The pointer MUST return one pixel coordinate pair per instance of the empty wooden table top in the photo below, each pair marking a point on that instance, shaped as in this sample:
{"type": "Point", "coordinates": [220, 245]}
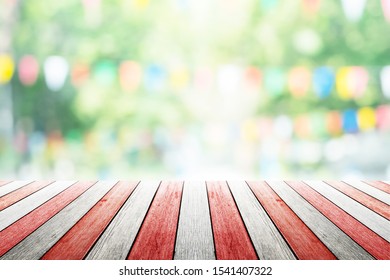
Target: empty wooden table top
{"type": "Point", "coordinates": [268, 220]}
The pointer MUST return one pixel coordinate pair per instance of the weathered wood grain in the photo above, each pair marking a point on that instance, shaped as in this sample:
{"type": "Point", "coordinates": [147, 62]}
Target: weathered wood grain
{"type": "Point", "coordinates": [341, 245]}
{"type": "Point", "coordinates": [267, 240]}
{"type": "Point", "coordinates": [10, 187]}
{"type": "Point", "coordinates": [117, 239]}
{"type": "Point", "coordinates": [365, 215]}
{"type": "Point", "coordinates": [24, 206]}
{"type": "Point", "coordinates": [305, 244]}
{"type": "Point", "coordinates": [361, 234]}
{"type": "Point", "coordinates": [2, 183]}
{"type": "Point", "coordinates": [374, 204]}
{"type": "Point", "coordinates": [17, 195]}
{"type": "Point", "coordinates": [232, 241]}
{"type": "Point", "coordinates": [76, 243]}
{"type": "Point", "coordinates": [374, 192]}
{"type": "Point", "coordinates": [19, 230]}
{"type": "Point", "coordinates": [194, 239]}
{"type": "Point", "coordinates": [156, 237]}
{"type": "Point", "coordinates": [37, 243]}
{"type": "Point", "coordinates": [379, 185]}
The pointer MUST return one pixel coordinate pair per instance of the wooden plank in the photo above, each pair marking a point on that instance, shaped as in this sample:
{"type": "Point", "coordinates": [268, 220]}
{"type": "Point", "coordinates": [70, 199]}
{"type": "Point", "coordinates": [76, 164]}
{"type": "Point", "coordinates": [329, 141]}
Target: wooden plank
{"type": "Point", "coordinates": [41, 240]}
{"type": "Point", "coordinates": [21, 193]}
{"type": "Point", "coordinates": [232, 241]}
{"type": "Point", "coordinates": [156, 237]}
{"type": "Point", "coordinates": [361, 234]}
{"type": "Point", "coordinates": [12, 187]}
{"type": "Point", "coordinates": [365, 215]}
{"type": "Point", "coordinates": [24, 206]}
{"type": "Point", "coordinates": [267, 240]}
{"type": "Point", "coordinates": [194, 239]}
{"type": "Point", "coordinates": [76, 243]}
{"type": "Point", "coordinates": [375, 205]}
{"type": "Point", "coordinates": [19, 230]}
{"type": "Point", "coordinates": [374, 192]}
{"type": "Point", "coordinates": [2, 183]}
{"type": "Point", "coordinates": [341, 245]}
{"type": "Point", "coordinates": [305, 244]}
{"type": "Point", "coordinates": [379, 185]}
{"type": "Point", "coordinates": [117, 239]}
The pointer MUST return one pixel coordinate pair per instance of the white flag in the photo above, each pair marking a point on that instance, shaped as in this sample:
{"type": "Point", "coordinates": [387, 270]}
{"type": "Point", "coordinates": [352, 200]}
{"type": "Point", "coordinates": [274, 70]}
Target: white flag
{"type": "Point", "coordinates": [353, 9]}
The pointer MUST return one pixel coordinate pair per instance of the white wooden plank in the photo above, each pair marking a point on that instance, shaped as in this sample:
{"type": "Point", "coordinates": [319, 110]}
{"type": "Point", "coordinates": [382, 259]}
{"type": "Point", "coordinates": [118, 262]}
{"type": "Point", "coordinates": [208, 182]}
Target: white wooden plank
{"type": "Point", "coordinates": [26, 205]}
{"type": "Point", "coordinates": [36, 244]}
{"type": "Point", "coordinates": [117, 239]}
{"type": "Point", "coordinates": [370, 190]}
{"type": "Point", "coordinates": [267, 240]}
{"type": "Point", "coordinates": [366, 216]}
{"type": "Point", "coordinates": [10, 187]}
{"type": "Point", "coordinates": [341, 245]}
{"type": "Point", "coordinates": [194, 239]}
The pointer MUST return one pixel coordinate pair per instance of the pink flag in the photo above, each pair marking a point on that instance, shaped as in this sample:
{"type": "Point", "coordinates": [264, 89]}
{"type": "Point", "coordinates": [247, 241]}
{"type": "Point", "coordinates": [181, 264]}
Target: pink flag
{"type": "Point", "coordinates": [386, 9]}
{"type": "Point", "coordinates": [28, 70]}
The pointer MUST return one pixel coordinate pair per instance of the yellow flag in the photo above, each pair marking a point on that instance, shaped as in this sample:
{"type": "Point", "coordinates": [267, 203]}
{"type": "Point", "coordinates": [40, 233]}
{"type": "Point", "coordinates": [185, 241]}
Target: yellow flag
{"type": "Point", "coordinates": [140, 4]}
{"type": "Point", "coordinates": [366, 118]}
{"type": "Point", "coordinates": [7, 68]}
{"type": "Point", "coordinates": [342, 83]}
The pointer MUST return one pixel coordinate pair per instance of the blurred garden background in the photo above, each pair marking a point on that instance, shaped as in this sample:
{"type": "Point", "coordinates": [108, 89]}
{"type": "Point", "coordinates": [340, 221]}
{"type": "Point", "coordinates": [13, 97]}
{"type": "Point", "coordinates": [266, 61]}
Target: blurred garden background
{"type": "Point", "coordinates": [194, 89]}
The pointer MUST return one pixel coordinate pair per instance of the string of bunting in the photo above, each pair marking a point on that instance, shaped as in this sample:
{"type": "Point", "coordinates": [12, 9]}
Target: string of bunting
{"type": "Point", "coordinates": [349, 82]}
{"type": "Point", "coordinates": [353, 9]}
{"type": "Point", "coordinates": [317, 125]}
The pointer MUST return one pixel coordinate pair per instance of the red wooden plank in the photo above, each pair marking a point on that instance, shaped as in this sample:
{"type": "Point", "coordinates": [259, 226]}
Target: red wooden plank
{"type": "Point", "coordinates": [156, 237]}
{"type": "Point", "coordinates": [374, 204]}
{"type": "Point", "coordinates": [231, 238]}
{"type": "Point", "coordinates": [2, 183]}
{"type": "Point", "coordinates": [77, 242]}
{"type": "Point", "coordinates": [19, 230]}
{"type": "Point", "coordinates": [301, 239]}
{"type": "Point", "coordinates": [379, 185]}
{"type": "Point", "coordinates": [21, 193]}
{"type": "Point", "coordinates": [366, 238]}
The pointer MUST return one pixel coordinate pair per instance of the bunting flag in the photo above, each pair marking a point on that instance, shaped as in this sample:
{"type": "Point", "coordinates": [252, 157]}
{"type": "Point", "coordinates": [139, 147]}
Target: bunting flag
{"type": "Point", "coordinates": [334, 123]}
{"type": "Point", "coordinates": [283, 127]}
{"type": "Point", "coordinates": [302, 126]}
{"type": "Point", "coordinates": [386, 9]}
{"type": "Point", "coordinates": [323, 81]}
{"type": "Point", "coordinates": [140, 4]}
{"type": "Point", "coordinates": [318, 124]}
{"type": "Point", "coordinates": [268, 5]}
{"type": "Point", "coordinates": [383, 117]}
{"type": "Point", "coordinates": [203, 79]}
{"type": "Point", "coordinates": [155, 77]}
{"type": "Point", "coordinates": [130, 75]}
{"type": "Point", "coordinates": [353, 9]}
{"type": "Point", "coordinates": [265, 127]}
{"type": "Point", "coordinates": [274, 81]}
{"type": "Point", "coordinates": [366, 118]}
{"type": "Point", "coordinates": [80, 74]}
{"type": "Point", "coordinates": [311, 7]}
{"type": "Point", "coordinates": [385, 81]}
{"type": "Point", "coordinates": [56, 70]}
{"type": "Point", "coordinates": [299, 81]}
{"type": "Point", "coordinates": [229, 78]}
{"type": "Point", "coordinates": [351, 82]}
{"type": "Point", "coordinates": [350, 124]}
{"type": "Point", "coordinates": [28, 70]}
{"type": "Point", "coordinates": [253, 78]}
{"type": "Point", "coordinates": [179, 78]}
{"type": "Point", "coordinates": [92, 11]}
{"type": "Point", "coordinates": [7, 68]}
{"type": "Point", "coordinates": [105, 73]}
